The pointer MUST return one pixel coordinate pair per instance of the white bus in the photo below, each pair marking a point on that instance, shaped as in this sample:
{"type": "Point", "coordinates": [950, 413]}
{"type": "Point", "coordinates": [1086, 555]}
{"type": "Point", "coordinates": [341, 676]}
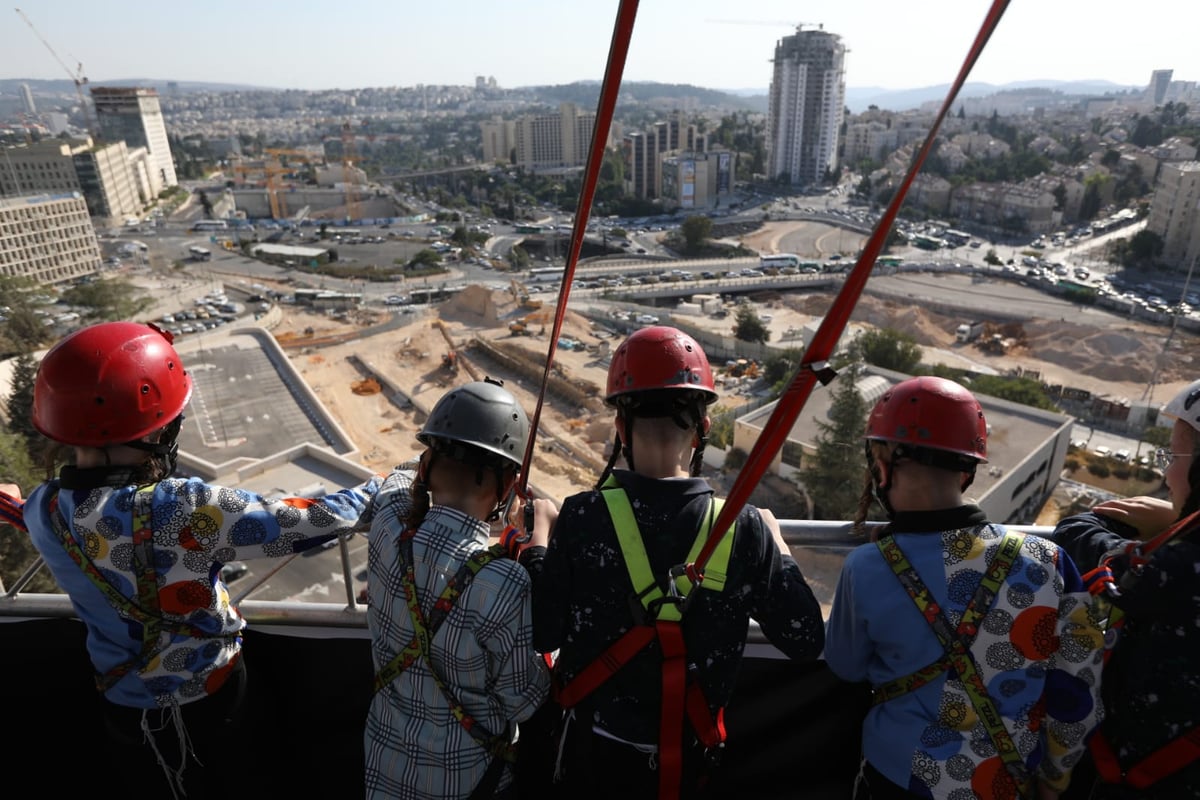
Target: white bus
{"type": "Point", "coordinates": [210, 225]}
{"type": "Point", "coordinates": [779, 260]}
{"type": "Point", "coordinates": [200, 253]}
{"type": "Point", "coordinates": [546, 274]}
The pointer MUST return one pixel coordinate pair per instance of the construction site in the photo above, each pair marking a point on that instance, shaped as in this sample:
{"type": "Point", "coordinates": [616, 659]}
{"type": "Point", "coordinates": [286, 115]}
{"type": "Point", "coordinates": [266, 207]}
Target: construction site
{"type": "Point", "coordinates": [504, 333]}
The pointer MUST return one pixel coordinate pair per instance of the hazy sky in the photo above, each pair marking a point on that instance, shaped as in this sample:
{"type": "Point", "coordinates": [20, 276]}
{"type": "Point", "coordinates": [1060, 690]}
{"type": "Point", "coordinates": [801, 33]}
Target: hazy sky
{"type": "Point", "coordinates": [720, 44]}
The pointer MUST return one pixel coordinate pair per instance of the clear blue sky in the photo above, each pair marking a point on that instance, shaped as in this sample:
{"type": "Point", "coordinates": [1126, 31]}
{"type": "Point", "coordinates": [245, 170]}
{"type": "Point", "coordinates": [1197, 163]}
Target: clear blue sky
{"type": "Point", "coordinates": [720, 45]}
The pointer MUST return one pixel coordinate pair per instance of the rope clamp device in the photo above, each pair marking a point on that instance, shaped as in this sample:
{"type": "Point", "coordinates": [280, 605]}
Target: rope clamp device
{"type": "Point", "coordinates": [825, 373]}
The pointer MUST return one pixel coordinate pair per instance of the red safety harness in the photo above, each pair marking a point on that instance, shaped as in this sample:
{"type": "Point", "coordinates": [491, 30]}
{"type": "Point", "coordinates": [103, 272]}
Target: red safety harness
{"type": "Point", "coordinates": [660, 615]}
{"type": "Point", "coordinates": [1180, 751]}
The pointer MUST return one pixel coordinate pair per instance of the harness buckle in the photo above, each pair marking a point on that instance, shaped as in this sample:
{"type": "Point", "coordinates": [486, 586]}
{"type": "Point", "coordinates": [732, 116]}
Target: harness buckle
{"type": "Point", "coordinates": [673, 594]}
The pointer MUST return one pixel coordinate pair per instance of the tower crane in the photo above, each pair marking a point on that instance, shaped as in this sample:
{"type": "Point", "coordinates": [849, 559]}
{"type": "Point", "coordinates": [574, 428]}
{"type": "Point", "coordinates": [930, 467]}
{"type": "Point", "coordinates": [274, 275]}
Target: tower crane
{"type": "Point", "coordinates": [76, 75]}
{"type": "Point", "coordinates": [347, 165]}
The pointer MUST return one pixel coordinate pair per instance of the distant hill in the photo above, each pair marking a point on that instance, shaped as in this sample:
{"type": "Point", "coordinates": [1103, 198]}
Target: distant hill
{"type": "Point", "coordinates": [859, 98]}
{"type": "Point", "coordinates": [586, 93]}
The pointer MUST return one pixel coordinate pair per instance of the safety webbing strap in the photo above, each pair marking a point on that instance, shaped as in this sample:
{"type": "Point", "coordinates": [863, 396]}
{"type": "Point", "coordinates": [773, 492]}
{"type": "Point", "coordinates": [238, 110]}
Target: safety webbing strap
{"type": "Point", "coordinates": [147, 610]}
{"type": "Point", "coordinates": [660, 619]}
{"type": "Point", "coordinates": [499, 745]}
{"type": "Point", "coordinates": [441, 608]}
{"type": "Point", "coordinates": [1101, 581]}
{"type": "Point", "coordinates": [813, 364]}
{"type": "Point", "coordinates": [956, 646]}
{"type": "Point", "coordinates": [968, 628]}
{"type": "Point", "coordinates": [12, 511]}
{"type": "Point", "coordinates": [610, 88]}
{"type": "Point", "coordinates": [1162, 763]}
{"type": "Point", "coordinates": [670, 721]}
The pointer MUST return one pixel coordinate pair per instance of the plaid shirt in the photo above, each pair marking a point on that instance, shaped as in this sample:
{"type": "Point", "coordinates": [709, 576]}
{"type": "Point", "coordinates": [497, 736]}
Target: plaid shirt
{"type": "Point", "coordinates": [415, 748]}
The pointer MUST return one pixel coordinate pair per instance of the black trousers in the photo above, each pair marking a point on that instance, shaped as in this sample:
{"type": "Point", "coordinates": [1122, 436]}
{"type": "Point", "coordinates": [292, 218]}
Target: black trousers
{"type": "Point", "coordinates": [872, 785]}
{"type": "Point", "coordinates": [212, 727]}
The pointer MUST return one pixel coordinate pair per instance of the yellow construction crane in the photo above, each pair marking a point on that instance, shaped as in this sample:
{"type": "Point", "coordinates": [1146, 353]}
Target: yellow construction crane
{"type": "Point", "coordinates": [76, 75]}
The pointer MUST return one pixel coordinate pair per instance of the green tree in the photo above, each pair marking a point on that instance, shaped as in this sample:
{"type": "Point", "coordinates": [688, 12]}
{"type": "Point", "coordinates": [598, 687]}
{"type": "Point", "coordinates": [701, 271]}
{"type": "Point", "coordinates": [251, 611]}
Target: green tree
{"type": "Point", "coordinates": [720, 435]}
{"type": "Point", "coordinates": [424, 258]}
{"type": "Point", "coordinates": [16, 551]}
{"type": "Point", "coordinates": [749, 327]}
{"type": "Point", "coordinates": [780, 367]}
{"type": "Point", "coordinates": [108, 300]}
{"type": "Point", "coordinates": [889, 349]}
{"type": "Point", "coordinates": [19, 405]}
{"type": "Point", "coordinates": [695, 229]}
{"type": "Point", "coordinates": [834, 477]}
{"type": "Point", "coordinates": [1026, 391]}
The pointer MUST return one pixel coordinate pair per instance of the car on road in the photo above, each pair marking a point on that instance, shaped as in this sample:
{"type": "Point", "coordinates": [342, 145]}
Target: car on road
{"type": "Point", "coordinates": [233, 570]}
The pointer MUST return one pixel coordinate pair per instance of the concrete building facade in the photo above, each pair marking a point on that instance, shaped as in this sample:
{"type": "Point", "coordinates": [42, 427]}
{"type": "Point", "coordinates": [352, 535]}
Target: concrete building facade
{"type": "Point", "coordinates": [115, 180]}
{"type": "Point", "coordinates": [806, 104]}
{"type": "Point", "coordinates": [134, 116]}
{"type": "Point", "coordinates": [48, 238]}
{"type": "Point", "coordinates": [693, 180]}
{"type": "Point", "coordinates": [549, 142]}
{"type": "Point", "coordinates": [1174, 215]}
{"type": "Point", "coordinates": [644, 153]}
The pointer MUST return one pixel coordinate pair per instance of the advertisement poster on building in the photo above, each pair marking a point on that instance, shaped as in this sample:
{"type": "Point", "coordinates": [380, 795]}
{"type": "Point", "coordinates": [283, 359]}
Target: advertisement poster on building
{"type": "Point", "coordinates": [687, 184]}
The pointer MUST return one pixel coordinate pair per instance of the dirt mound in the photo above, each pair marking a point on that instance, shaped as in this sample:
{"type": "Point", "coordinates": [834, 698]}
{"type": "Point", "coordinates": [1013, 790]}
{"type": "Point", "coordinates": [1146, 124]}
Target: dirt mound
{"type": "Point", "coordinates": [476, 305]}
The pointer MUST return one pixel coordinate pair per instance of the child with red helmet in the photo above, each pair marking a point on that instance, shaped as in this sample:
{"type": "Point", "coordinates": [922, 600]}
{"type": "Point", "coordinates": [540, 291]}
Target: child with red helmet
{"type": "Point", "coordinates": [609, 571]}
{"type": "Point", "coordinates": [139, 553]}
{"type": "Point", "coordinates": [1143, 555]}
{"type": "Point", "coordinates": [981, 644]}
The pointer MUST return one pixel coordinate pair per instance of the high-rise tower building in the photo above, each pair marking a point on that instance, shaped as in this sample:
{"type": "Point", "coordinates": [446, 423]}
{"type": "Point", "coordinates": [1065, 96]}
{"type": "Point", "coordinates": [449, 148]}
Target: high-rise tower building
{"type": "Point", "coordinates": [27, 97]}
{"type": "Point", "coordinates": [806, 104]}
{"type": "Point", "coordinates": [134, 116]}
{"type": "Point", "coordinates": [1160, 79]}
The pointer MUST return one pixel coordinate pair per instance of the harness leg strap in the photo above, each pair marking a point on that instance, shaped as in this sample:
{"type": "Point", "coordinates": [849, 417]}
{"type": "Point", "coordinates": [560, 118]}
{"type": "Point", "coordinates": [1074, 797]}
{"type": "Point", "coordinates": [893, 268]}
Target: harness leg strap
{"type": "Point", "coordinates": [674, 690]}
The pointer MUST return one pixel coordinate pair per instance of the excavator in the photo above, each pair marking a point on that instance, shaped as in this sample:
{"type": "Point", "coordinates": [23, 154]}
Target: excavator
{"type": "Point", "coordinates": [450, 362]}
{"type": "Point", "coordinates": [521, 296]}
{"type": "Point", "coordinates": [521, 327]}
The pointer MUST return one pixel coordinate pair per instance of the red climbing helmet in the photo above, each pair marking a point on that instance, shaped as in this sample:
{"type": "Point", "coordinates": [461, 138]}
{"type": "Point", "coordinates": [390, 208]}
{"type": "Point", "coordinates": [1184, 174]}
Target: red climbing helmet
{"type": "Point", "coordinates": [109, 384]}
{"type": "Point", "coordinates": [656, 358]}
{"type": "Point", "coordinates": [934, 413]}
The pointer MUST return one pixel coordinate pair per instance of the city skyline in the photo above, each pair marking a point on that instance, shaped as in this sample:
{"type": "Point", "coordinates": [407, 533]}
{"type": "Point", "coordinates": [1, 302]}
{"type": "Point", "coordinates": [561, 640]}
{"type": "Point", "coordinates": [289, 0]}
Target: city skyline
{"type": "Point", "coordinates": [376, 43]}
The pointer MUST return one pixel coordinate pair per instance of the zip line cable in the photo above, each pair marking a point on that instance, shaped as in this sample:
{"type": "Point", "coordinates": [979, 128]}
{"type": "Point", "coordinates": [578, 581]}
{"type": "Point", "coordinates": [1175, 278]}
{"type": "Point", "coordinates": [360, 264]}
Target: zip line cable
{"type": "Point", "coordinates": [609, 89]}
{"type": "Point", "coordinates": [814, 364]}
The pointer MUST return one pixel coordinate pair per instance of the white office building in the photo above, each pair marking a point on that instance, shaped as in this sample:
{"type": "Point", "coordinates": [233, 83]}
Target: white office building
{"type": "Point", "coordinates": [133, 115]}
{"type": "Point", "coordinates": [48, 238]}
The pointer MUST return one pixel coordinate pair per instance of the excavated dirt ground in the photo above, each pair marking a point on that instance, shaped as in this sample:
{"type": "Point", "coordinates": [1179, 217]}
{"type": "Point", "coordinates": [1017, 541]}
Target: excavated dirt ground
{"type": "Point", "coordinates": [573, 434]}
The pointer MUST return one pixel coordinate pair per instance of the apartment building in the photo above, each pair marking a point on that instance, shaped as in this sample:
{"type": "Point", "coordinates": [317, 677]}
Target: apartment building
{"type": "Point", "coordinates": [1174, 215]}
{"type": "Point", "coordinates": [546, 142]}
{"type": "Point", "coordinates": [806, 103]}
{"type": "Point", "coordinates": [499, 138]}
{"type": "Point", "coordinates": [644, 153]}
{"type": "Point", "coordinates": [697, 180]}
{"type": "Point", "coordinates": [869, 140]}
{"type": "Point", "coordinates": [48, 238]}
{"type": "Point", "coordinates": [133, 115]}
{"type": "Point", "coordinates": [114, 180]}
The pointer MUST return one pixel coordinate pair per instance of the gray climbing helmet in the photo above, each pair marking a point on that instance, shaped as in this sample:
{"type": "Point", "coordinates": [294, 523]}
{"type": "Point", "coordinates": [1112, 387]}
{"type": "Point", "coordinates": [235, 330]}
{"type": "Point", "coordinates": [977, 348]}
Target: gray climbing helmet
{"type": "Point", "coordinates": [482, 414]}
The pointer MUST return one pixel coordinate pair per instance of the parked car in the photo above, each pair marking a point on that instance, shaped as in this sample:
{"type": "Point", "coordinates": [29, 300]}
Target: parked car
{"type": "Point", "coordinates": [234, 570]}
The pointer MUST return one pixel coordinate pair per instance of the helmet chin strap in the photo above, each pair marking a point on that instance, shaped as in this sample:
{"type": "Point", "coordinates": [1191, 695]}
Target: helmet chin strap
{"type": "Point", "coordinates": [166, 450]}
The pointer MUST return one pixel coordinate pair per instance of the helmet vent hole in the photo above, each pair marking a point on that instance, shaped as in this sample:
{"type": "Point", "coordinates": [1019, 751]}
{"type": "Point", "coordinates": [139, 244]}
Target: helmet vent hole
{"type": "Point", "coordinates": [99, 401]}
{"type": "Point", "coordinates": [145, 388]}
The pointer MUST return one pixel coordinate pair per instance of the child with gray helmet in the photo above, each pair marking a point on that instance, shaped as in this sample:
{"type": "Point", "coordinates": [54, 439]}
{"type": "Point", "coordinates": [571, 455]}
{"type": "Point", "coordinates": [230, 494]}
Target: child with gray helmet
{"type": "Point", "coordinates": [1142, 556]}
{"type": "Point", "coordinates": [449, 616]}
